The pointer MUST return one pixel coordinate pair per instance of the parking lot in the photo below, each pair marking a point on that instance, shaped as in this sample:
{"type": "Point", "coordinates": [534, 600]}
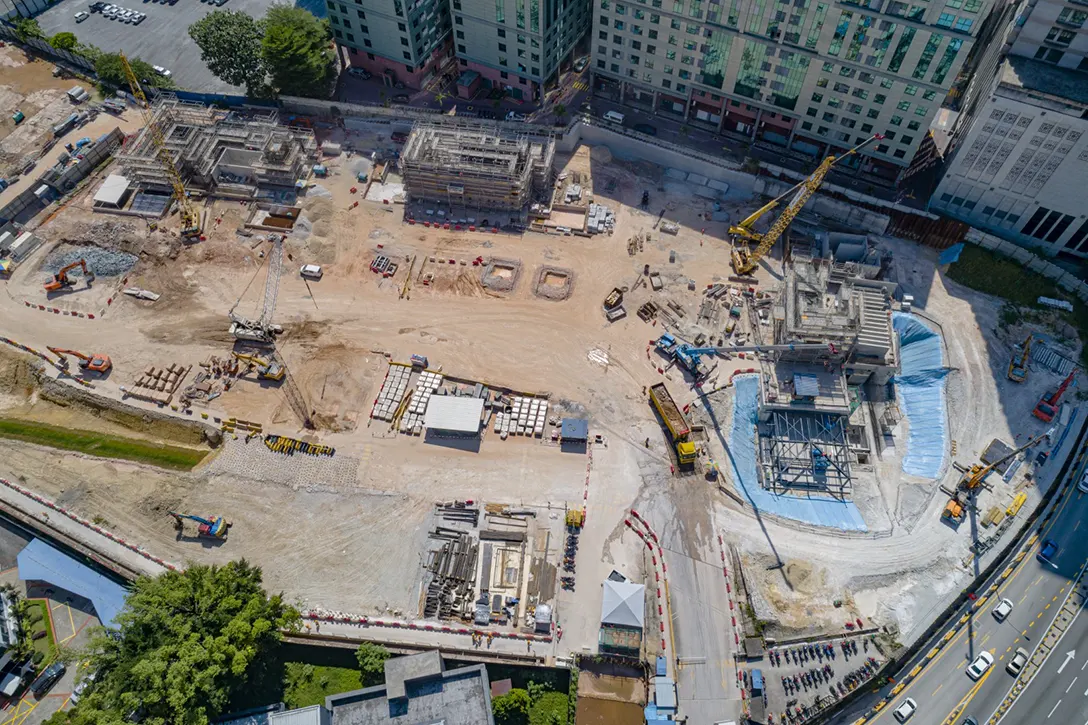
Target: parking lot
{"type": "Point", "coordinates": [161, 39]}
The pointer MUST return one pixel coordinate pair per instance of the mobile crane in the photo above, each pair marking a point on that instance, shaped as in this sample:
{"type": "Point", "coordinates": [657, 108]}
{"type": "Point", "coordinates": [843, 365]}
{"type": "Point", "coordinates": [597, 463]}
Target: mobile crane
{"type": "Point", "coordinates": [60, 280]}
{"type": "Point", "coordinates": [261, 330]}
{"type": "Point", "coordinates": [211, 527]}
{"type": "Point", "coordinates": [1047, 407]}
{"type": "Point", "coordinates": [190, 219]}
{"type": "Point", "coordinates": [1018, 365]}
{"type": "Point", "coordinates": [95, 362]}
{"type": "Point", "coordinates": [745, 259]}
{"type": "Point", "coordinates": [972, 478]}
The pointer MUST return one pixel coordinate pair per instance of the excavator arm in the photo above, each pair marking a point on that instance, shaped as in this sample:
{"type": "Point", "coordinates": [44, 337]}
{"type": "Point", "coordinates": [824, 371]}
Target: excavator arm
{"type": "Point", "coordinates": [745, 260]}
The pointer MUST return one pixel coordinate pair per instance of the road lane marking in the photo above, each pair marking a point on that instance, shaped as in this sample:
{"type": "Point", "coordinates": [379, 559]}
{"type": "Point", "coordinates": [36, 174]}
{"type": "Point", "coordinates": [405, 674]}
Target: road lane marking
{"type": "Point", "coordinates": [1037, 580]}
{"type": "Point", "coordinates": [1059, 702]}
{"type": "Point", "coordinates": [1071, 685]}
{"type": "Point", "coordinates": [938, 689]}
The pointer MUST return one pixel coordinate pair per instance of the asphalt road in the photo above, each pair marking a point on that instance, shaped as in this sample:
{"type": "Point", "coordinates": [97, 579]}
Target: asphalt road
{"type": "Point", "coordinates": [945, 695]}
{"type": "Point", "coordinates": [1060, 688]}
{"type": "Point", "coordinates": [705, 675]}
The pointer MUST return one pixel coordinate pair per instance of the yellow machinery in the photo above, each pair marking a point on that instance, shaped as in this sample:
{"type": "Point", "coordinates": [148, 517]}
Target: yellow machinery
{"type": "Point", "coordinates": [973, 477]}
{"type": "Point", "coordinates": [1018, 365]}
{"type": "Point", "coordinates": [744, 258]}
{"type": "Point", "coordinates": [190, 219]}
{"type": "Point", "coordinates": [676, 423]}
{"type": "Point", "coordinates": [266, 369]}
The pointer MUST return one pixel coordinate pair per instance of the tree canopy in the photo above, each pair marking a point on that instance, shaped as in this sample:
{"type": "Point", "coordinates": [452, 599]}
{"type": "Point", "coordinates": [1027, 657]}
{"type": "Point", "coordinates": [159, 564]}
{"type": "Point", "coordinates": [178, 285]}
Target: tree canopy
{"type": "Point", "coordinates": [511, 708]}
{"type": "Point", "coordinates": [230, 45]}
{"type": "Point", "coordinates": [372, 659]}
{"type": "Point", "coordinates": [296, 51]}
{"type": "Point", "coordinates": [111, 74]}
{"type": "Point", "coordinates": [184, 645]}
{"type": "Point", "coordinates": [28, 28]}
{"type": "Point", "coordinates": [64, 41]}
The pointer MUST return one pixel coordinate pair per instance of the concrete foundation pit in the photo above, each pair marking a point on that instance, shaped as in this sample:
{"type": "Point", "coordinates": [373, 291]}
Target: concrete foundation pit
{"type": "Point", "coordinates": [501, 275]}
{"type": "Point", "coordinates": [554, 283]}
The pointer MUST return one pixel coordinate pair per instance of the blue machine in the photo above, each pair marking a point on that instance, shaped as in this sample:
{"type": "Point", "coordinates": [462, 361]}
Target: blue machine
{"type": "Point", "coordinates": [666, 342]}
{"type": "Point", "coordinates": [690, 356]}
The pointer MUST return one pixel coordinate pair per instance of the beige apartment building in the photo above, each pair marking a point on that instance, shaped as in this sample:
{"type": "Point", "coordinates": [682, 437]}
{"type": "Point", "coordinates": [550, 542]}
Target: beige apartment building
{"type": "Point", "coordinates": [813, 76]}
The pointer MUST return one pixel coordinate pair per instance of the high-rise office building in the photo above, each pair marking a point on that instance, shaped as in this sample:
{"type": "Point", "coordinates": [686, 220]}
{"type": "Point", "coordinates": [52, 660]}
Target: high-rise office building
{"type": "Point", "coordinates": [814, 76]}
{"type": "Point", "coordinates": [1018, 157]}
{"type": "Point", "coordinates": [516, 45]}
{"type": "Point", "coordinates": [400, 41]}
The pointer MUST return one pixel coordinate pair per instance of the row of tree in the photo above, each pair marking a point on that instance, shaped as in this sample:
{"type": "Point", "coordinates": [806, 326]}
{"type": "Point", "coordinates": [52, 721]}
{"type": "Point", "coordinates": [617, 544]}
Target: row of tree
{"type": "Point", "coordinates": [288, 51]}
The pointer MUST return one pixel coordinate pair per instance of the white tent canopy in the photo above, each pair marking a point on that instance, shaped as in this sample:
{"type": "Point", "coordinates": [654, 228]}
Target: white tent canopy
{"type": "Point", "coordinates": [624, 604]}
{"type": "Point", "coordinates": [112, 191]}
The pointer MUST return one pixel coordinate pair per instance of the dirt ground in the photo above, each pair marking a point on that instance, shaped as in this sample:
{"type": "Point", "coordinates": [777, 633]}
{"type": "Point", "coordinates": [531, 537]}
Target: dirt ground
{"type": "Point", "coordinates": [360, 526]}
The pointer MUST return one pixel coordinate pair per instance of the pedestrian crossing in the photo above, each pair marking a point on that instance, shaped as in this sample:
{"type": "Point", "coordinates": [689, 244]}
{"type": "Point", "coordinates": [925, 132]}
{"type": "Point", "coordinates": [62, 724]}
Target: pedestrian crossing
{"type": "Point", "coordinates": [581, 86]}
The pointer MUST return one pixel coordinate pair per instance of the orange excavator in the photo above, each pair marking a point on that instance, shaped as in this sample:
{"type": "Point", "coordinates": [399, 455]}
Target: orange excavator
{"type": "Point", "coordinates": [61, 279]}
{"type": "Point", "coordinates": [94, 362]}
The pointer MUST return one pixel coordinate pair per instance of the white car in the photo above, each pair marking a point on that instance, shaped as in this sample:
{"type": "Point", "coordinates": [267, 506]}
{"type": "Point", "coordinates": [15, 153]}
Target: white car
{"type": "Point", "coordinates": [164, 72]}
{"type": "Point", "coordinates": [82, 15]}
{"type": "Point", "coordinates": [77, 692]}
{"type": "Point", "coordinates": [978, 668]}
{"type": "Point", "coordinates": [906, 710]}
{"type": "Point", "coordinates": [1002, 610]}
{"type": "Point", "coordinates": [513, 116]}
{"type": "Point", "coordinates": [311, 271]}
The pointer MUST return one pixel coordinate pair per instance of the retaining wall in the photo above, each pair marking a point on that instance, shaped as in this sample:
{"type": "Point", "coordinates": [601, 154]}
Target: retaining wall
{"type": "Point", "coordinates": [1032, 261]}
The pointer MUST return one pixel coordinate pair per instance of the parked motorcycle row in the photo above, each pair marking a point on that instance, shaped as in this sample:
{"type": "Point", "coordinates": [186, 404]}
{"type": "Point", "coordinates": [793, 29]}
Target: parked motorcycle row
{"type": "Point", "coordinates": [818, 676]}
{"type": "Point", "coordinates": [568, 558]}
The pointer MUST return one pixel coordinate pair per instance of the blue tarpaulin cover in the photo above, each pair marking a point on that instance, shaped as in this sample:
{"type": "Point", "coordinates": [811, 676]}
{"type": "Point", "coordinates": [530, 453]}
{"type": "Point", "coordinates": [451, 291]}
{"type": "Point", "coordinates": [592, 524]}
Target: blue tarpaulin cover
{"type": "Point", "coordinates": [952, 254]}
{"type": "Point", "coordinates": [41, 562]}
{"type": "Point", "coordinates": [921, 386]}
{"type": "Point", "coordinates": [741, 450]}
{"type": "Point", "coordinates": [806, 386]}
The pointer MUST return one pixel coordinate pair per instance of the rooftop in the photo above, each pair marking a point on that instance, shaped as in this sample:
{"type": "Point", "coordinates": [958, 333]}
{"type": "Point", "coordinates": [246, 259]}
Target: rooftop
{"type": "Point", "coordinates": [1032, 75]}
{"type": "Point", "coordinates": [623, 604]}
{"type": "Point", "coordinates": [460, 696]}
{"type": "Point", "coordinates": [448, 412]}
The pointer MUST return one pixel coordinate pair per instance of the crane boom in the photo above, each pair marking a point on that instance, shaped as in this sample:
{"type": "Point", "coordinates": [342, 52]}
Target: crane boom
{"type": "Point", "coordinates": [745, 260]}
{"type": "Point", "coordinates": [977, 474]}
{"type": "Point", "coordinates": [190, 220]}
{"type": "Point", "coordinates": [261, 329]}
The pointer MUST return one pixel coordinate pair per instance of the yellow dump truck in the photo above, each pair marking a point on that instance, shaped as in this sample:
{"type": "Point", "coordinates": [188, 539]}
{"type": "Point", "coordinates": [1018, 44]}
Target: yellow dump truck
{"type": "Point", "coordinates": [675, 423]}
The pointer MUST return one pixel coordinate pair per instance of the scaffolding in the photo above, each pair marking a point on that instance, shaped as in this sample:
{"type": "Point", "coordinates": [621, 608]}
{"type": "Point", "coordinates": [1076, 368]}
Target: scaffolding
{"type": "Point", "coordinates": [806, 452]}
{"type": "Point", "coordinates": [483, 168]}
{"type": "Point", "coordinates": [224, 153]}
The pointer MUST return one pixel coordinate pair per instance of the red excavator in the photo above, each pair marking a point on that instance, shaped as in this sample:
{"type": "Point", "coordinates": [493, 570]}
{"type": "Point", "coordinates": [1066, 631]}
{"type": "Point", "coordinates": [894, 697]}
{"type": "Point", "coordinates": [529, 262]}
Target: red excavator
{"type": "Point", "coordinates": [1047, 407]}
{"type": "Point", "coordinates": [95, 362]}
{"type": "Point", "coordinates": [61, 279]}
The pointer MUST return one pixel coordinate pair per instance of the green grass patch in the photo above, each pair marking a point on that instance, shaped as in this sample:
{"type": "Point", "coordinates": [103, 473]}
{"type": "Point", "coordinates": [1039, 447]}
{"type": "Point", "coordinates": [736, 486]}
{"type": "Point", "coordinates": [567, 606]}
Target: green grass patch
{"type": "Point", "coordinates": [306, 684]}
{"type": "Point", "coordinates": [101, 444]}
{"type": "Point", "coordinates": [47, 645]}
{"type": "Point", "coordinates": [993, 274]}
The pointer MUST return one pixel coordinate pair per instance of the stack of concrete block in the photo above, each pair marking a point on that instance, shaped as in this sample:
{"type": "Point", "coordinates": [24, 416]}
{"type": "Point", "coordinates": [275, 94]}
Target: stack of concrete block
{"type": "Point", "coordinates": [428, 383]}
{"type": "Point", "coordinates": [527, 417]}
{"type": "Point", "coordinates": [392, 392]}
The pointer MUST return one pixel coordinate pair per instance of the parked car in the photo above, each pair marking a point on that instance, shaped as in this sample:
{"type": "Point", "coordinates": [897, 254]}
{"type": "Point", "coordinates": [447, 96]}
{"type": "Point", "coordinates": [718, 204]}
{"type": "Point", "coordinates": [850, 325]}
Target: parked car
{"type": "Point", "coordinates": [82, 15]}
{"type": "Point", "coordinates": [361, 73]}
{"type": "Point", "coordinates": [399, 136]}
{"type": "Point", "coordinates": [311, 271]}
{"type": "Point", "coordinates": [581, 63]}
{"type": "Point", "coordinates": [645, 128]}
{"type": "Point", "coordinates": [1017, 662]}
{"type": "Point", "coordinates": [514, 116]}
{"type": "Point", "coordinates": [77, 691]}
{"type": "Point", "coordinates": [906, 710]}
{"type": "Point", "coordinates": [1002, 610]}
{"type": "Point", "coordinates": [978, 668]}
{"type": "Point", "coordinates": [402, 98]}
{"type": "Point", "coordinates": [164, 72]}
{"type": "Point", "coordinates": [47, 679]}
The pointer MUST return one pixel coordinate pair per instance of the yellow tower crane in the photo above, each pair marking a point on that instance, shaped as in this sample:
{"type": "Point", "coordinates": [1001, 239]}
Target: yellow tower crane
{"type": "Point", "coordinates": [190, 219]}
{"type": "Point", "coordinates": [744, 258]}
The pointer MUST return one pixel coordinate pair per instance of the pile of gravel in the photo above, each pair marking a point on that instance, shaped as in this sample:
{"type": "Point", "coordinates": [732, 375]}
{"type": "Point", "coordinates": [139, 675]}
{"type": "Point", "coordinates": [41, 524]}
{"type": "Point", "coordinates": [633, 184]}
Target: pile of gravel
{"type": "Point", "coordinates": [102, 262]}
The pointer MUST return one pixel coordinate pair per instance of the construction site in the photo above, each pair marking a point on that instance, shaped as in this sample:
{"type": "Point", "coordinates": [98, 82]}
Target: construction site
{"type": "Point", "coordinates": [788, 396]}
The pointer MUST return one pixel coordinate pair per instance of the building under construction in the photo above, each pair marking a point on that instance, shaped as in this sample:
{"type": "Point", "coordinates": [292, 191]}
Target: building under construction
{"type": "Point", "coordinates": [222, 153]}
{"type": "Point", "coordinates": [812, 417]}
{"type": "Point", "coordinates": [476, 168]}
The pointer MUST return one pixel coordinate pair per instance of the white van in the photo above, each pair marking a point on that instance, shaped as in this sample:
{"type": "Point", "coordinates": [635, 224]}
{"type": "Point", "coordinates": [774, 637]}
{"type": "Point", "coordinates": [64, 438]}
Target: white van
{"type": "Point", "coordinates": [1083, 485]}
{"type": "Point", "coordinates": [614, 117]}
